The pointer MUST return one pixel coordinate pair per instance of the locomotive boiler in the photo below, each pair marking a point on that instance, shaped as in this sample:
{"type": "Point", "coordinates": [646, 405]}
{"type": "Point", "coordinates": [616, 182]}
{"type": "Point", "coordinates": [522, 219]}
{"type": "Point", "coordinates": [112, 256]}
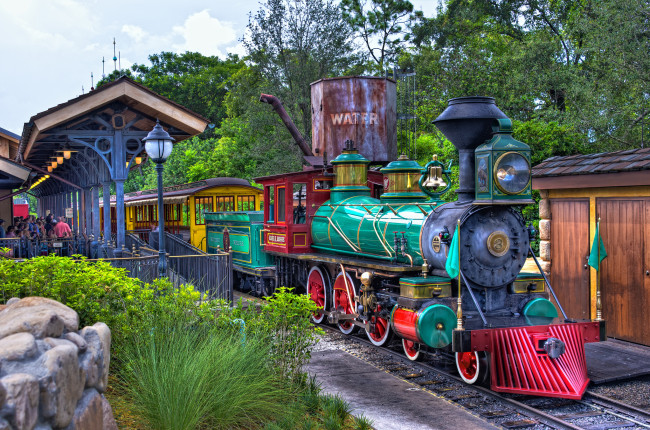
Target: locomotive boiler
{"type": "Point", "coordinates": [370, 246]}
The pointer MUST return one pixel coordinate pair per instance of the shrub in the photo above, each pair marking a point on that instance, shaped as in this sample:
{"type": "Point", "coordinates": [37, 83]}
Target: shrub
{"type": "Point", "coordinates": [99, 292]}
{"type": "Point", "coordinates": [362, 423]}
{"type": "Point", "coordinates": [284, 322]}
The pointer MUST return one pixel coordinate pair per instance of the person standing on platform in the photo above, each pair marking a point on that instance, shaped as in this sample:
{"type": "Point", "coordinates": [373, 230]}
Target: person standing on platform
{"type": "Point", "coordinates": [2, 229]}
{"type": "Point", "coordinates": [62, 229]}
{"type": "Point", "coordinates": [48, 224]}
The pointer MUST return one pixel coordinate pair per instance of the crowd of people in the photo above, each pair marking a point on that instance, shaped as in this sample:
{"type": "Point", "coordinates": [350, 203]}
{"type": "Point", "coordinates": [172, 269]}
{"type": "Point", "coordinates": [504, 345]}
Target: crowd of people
{"type": "Point", "coordinates": [31, 227]}
{"type": "Point", "coordinates": [32, 236]}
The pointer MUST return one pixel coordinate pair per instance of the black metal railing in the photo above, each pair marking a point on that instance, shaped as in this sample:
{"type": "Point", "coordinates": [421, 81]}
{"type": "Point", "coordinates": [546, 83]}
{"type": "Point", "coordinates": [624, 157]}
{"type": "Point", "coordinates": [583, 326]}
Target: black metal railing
{"type": "Point", "coordinates": [211, 274]}
{"type": "Point", "coordinates": [22, 247]}
{"type": "Point", "coordinates": [145, 268]}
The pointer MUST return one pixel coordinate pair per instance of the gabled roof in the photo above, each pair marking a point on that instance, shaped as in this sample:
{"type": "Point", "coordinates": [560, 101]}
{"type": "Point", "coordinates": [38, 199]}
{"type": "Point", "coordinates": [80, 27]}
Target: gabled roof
{"type": "Point", "coordinates": [12, 175]}
{"type": "Point", "coordinates": [603, 162]}
{"type": "Point", "coordinates": [131, 94]}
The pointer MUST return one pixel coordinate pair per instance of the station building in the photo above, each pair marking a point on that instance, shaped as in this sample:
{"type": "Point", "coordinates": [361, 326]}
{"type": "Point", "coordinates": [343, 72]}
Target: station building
{"type": "Point", "coordinates": [576, 191]}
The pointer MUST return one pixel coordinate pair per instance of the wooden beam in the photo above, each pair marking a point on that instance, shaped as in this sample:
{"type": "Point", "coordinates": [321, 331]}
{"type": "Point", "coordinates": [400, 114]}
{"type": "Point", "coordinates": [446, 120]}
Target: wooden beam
{"type": "Point", "coordinates": [22, 190]}
{"type": "Point", "coordinates": [52, 175]}
{"type": "Point", "coordinates": [167, 112]}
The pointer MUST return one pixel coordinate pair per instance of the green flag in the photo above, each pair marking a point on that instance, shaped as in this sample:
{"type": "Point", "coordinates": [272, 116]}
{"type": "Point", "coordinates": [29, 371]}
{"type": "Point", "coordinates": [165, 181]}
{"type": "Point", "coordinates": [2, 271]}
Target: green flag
{"type": "Point", "coordinates": [453, 258]}
{"type": "Point", "coordinates": [594, 260]}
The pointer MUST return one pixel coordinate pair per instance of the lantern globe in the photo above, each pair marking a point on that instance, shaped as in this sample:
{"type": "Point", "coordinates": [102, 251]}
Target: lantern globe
{"type": "Point", "coordinates": [158, 144]}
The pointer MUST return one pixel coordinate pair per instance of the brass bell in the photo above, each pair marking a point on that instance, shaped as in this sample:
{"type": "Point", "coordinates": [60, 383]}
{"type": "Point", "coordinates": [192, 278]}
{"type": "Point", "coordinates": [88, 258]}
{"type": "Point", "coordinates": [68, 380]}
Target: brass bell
{"type": "Point", "coordinates": [434, 178]}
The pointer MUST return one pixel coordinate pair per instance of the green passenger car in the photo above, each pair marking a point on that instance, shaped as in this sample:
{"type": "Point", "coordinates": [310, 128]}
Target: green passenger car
{"type": "Point", "coordinates": [243, 231]}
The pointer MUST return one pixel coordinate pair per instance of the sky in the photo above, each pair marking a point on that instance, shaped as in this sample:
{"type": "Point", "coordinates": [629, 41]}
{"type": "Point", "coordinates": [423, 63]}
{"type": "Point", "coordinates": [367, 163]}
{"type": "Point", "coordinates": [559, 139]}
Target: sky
{"type": "Point", "coordinates": [50, 48]}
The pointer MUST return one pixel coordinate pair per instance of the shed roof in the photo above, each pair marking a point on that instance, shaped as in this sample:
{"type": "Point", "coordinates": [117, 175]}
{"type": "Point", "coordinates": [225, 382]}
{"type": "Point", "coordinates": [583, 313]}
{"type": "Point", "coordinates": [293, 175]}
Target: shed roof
{"type": "Point", "coordinates": [603, 162]}
{"type": "Point", "coordinates": [605, 169]}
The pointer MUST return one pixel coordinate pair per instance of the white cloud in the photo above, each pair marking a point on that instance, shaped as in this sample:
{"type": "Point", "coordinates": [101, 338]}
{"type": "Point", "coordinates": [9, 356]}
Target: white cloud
{"type": "Point", "coordinates": [238, 49]}
{"type": "Point", "coordinates": [205, 34]}
{"type": "Point", "coordinates": [55, 23]}
{"type": "Point", "coordinates": [134, 32]}
{"type": "Point", "coordinates": [91, 47]}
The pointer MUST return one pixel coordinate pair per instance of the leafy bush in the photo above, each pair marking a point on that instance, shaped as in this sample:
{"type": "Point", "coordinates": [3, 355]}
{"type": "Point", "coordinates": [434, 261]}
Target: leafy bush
{"type": "Point", "coordinates": [182, 363]}
{"type": "Point", "coordinates": [284, 322]}
{"type": "Point", "coordinates": [99, 292]}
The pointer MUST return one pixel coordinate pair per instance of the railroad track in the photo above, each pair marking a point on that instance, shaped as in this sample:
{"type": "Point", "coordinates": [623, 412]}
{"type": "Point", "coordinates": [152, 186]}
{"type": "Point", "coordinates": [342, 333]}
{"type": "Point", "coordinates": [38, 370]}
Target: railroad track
{"type": "Point", "coordinates": [593, 412]}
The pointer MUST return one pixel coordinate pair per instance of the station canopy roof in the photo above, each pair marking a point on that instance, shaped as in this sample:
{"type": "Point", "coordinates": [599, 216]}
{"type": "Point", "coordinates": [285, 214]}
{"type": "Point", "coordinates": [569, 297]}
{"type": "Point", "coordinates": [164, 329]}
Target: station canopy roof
{"type": "Point", "coordinates": [122, 105]}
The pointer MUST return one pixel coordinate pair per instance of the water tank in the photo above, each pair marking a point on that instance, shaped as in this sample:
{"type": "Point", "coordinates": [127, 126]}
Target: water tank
{"type": "Point", "coordinates": [357, 108]}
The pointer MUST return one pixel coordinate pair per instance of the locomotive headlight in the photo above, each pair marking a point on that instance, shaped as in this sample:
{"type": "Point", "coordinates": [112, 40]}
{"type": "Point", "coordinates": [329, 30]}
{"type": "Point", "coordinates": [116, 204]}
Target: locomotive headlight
{"type": "Point", "coordinates": [512, 173]}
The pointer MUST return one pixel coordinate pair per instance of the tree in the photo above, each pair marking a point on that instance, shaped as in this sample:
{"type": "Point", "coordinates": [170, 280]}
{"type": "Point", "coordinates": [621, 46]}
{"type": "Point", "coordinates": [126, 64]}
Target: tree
{"type": "Point", "coordinates": [579, 63]}
{"type": "Point", "coordinates": [381, 25]}
{"type": "Point", "coordinates": [296, 42]}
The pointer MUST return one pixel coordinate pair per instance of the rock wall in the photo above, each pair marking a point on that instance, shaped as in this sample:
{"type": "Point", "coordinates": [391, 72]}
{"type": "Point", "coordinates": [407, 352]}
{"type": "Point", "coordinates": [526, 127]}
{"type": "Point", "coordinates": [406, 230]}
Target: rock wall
{"type": "Point", "coordinates": [52, 375]}
{"type": "Point", "coordinates": [545, 232]}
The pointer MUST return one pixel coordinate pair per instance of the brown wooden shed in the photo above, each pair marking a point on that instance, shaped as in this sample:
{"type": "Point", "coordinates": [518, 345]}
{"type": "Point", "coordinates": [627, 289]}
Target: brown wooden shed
{"type": "Point", "coordinates": [575, 191]}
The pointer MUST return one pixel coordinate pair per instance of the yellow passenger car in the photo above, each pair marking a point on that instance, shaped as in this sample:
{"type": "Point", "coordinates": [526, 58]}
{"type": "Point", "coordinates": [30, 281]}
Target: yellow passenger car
{"type": "Point", "coordinates": [185, 206]}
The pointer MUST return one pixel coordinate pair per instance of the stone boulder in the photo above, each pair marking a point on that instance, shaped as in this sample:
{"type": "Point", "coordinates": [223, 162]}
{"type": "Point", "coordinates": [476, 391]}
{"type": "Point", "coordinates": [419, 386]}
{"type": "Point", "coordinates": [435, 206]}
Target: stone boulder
{"type": "Point", "coordinates": [51, 374]}
{"type": "Point", "coordinates": [68, 315]}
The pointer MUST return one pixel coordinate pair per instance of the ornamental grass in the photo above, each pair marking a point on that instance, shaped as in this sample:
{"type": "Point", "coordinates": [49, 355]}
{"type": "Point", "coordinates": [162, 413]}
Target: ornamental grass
{"type": "Point", "coordinates": [186, 377]}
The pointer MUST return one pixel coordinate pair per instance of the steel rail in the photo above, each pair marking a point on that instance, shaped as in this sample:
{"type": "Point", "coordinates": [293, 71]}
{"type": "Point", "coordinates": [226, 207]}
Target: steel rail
{"type": "Point", "coordinates": [604, 403]}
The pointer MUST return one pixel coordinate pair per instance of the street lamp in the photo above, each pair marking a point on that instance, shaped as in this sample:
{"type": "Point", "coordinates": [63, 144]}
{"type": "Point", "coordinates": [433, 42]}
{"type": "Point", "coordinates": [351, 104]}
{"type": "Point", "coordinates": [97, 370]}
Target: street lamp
{"type": "Point", "coordinates": [158, 145]}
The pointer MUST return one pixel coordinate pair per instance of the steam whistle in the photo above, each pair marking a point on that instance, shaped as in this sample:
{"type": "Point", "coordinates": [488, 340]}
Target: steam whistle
{"type": "Point", "coordinates": [432, 182]}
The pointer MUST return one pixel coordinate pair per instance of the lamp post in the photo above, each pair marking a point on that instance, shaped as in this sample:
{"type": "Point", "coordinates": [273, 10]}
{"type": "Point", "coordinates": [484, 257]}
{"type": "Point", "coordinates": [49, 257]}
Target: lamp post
{"type": "Point", "coordinates": [158, 145]}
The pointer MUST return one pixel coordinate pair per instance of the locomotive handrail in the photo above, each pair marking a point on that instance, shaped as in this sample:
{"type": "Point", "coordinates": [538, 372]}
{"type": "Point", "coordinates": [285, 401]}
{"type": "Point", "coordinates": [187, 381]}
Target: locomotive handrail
{"type": "Point", "coordinates": [350, 244]}
{"type": "Point", "coordinates": [471, 293]}
{"type": "Point", "coordinates": [380, 238]}
{"type": "Point", "coordinates": [548, 284]}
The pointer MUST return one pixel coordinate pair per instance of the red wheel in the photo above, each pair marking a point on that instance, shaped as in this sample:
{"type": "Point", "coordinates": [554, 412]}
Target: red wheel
{"type": "Point", "coordinates": [472, 366]}
{"type": "Point", "coordinates": [411, 349]}
{"type": "Point", "coordinates": [317, 286]}
{"type": "Point", "coordinates": [382, 332]}
{"type": "Point", "coordinates": [344, 302]}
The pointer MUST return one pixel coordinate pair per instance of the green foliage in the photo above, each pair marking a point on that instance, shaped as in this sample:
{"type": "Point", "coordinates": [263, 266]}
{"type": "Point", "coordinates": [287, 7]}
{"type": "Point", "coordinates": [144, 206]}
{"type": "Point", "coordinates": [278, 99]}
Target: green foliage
{"type": "Point", "coordinates": [183, 363]}
{"type": "Point", "coordinates": [284, 321]}
{"type": "Point", "coordinates": [196, 159]}
{"type": "Point", "coordinates": [580, 64]}
{"type": "Point", "coordinates": [362, 423]}
{"type": "Point", "coordinates": [195, 81]}
{"type": "Point", "coordinates": [184, 376]}
{"type": "Point", "coordinates": [295, 42]}
{"type": "Point", "coordinates": [99, 292]}
{"type": "Point", "coordinates": [549, 138]}
{"type": "Point", "coordinates": [336, 410]}
{"type": "Point", "coordinates": [381, 25]}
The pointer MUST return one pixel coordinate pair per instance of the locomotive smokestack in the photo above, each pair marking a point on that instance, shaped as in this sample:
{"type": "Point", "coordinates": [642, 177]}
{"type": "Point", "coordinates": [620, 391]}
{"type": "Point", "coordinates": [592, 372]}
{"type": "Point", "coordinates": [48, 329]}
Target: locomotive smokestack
{"type": "Point", "coordinates": [467, 123]}
{"type": "Point", "coordinates": [284, 116]}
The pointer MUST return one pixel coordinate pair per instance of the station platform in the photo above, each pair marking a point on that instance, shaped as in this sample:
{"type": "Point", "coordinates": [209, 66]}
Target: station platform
{"type": "Point", "coordinates": [615, 360]}
{"type": "Point", "coordinates": [391, 403]}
